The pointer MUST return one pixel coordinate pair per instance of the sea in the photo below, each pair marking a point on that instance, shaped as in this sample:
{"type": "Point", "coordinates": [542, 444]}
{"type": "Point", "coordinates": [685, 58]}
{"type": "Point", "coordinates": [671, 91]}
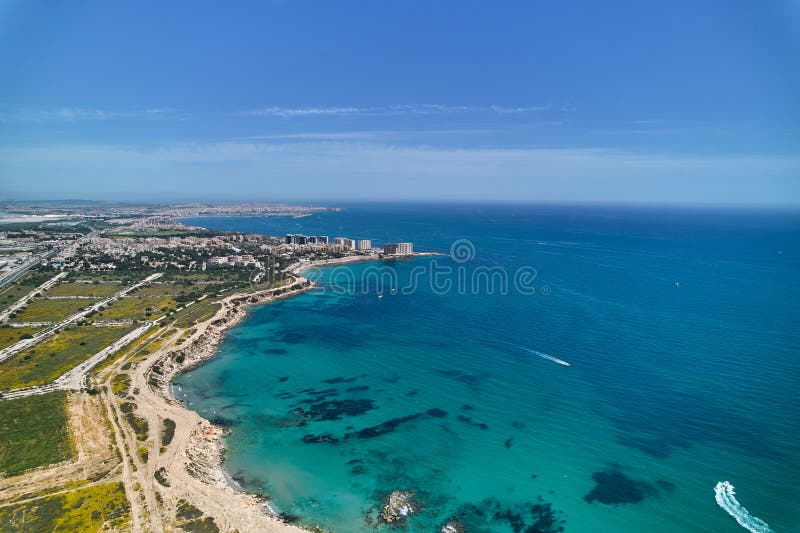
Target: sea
{"type": "Point", "coordinates": [557, 368]}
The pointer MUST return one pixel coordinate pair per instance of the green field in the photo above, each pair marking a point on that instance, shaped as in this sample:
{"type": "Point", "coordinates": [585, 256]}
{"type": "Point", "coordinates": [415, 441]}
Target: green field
{"type": "Point", "coordinates": [96, 508]}
{"type": "Point", "coordinates": [196, 313]}
{"type": "Point", "coordinates": [159, 289]}
{"type": "Point", "coordinates": [40, 310]}
{"type": "Point", "coordinates": [33, 432]}
{"type": "Point", "coordinates": [136, 307]}
{"type": "Point", "coordinates": [46, 361]}
{"type": "Point", "coordinates": [9, 335]}
{"type": "Point", "coordinates": [100, 290]}
{"type": "Point", "coordinates": [23, 286]}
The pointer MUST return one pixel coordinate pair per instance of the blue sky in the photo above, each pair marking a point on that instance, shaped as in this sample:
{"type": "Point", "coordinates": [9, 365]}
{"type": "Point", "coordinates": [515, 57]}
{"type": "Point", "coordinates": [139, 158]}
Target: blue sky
{"type": "Point", "coordinates": [630, 101]}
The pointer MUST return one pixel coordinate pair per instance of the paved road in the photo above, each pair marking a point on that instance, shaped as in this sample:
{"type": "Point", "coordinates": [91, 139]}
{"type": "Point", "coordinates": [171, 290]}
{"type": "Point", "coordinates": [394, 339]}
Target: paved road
{"type": "Point", "coordinates": [14, 275]}
{"type": "Point", "coordinates": [39, 336]}
{"type": "Point", "coordinates": [17, 273]}
{"type": "Point", "coordinates": [25, 299]}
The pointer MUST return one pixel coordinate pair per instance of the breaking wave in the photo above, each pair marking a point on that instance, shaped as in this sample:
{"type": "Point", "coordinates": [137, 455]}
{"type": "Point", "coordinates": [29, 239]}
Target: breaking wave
{"type": "Point", "coordinates": [726, 499]}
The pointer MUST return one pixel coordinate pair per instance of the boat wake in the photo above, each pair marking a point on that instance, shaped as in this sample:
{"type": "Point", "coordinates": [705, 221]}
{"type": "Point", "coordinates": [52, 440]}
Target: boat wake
{"type": "Point", "coordinates": [548, 357]}
{"type": "Point", "coordinates": [726, 499]}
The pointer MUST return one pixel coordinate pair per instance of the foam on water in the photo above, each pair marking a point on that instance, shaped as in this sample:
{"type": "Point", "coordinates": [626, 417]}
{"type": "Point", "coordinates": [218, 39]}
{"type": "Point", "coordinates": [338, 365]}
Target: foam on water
{"type": "Point", "coordinates": [546, 356]}
{"type": "Point", "coordinates": [727, 500]}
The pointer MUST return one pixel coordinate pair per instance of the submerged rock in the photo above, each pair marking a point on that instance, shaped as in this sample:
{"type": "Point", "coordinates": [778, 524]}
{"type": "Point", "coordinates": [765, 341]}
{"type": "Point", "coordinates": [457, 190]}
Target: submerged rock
{"type": "Point", "coordinates": [468, 420]}
{"type": "Point", "coordinates": [323, 437]}
{"type": "Point", "coordinates": [493, 515]}
{"type": "Point", "coordinates": [336, 409]}
{"type": "Point", "coordinates": [338, 379]}
{"type": "Point", "coordinates": [613, 487]}
{"type": "Point", "coordinates": [382, 428]}
{"type": "Point", "coordinates": [453, 526]}
{"type": "Point", "coordinates": [399, 505]}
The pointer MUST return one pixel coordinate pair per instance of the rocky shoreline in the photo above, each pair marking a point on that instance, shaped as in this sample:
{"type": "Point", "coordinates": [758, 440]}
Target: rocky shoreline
{"type": "Point", "coordinates": [205, 454]}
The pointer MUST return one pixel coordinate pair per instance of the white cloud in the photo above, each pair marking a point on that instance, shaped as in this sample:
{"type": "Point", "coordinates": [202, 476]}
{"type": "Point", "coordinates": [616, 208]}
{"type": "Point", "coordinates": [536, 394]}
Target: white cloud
{"type": "Point", "coordinates": [390, 110]}
{"type": "Point", "coordinates": [82, 114]}
{"type": "Point", "coordinates": [500, 110]}
{"type": "Point", "coordinates": [288, 112]}
{"type": "Point", "coordinates": [372, 135]}
{"type": "Point", "coordinates": [357, 170]}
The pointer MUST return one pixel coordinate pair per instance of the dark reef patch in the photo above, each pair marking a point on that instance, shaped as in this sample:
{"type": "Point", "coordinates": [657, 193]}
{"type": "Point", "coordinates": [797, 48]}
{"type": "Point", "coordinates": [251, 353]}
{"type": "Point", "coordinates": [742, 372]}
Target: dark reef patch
{"type": "Point", "coordinates": [437, 413]}
{"type": "Point", "coordinates": [614, 487]}
{"type": "Point", "coordinates": [468, 420]}
{"type": "Point", "coordinates": [338, 379]}
{"type": "Point", "coordinates": [467, 407]}
{"type": "Point", "coordinates": [317, 396]}
{"type": "Point", "coordinates": [323, 392]}
{"type": "Point", "coordinates": [358, 470]}
{"type": "Point", "coordinates": [276, 351]}
{"type": "Point", "coordinates": [508, 442]}
{"type": "Point", "coordinates": [412, 392]}
{"type": "Point", "coordinates": [283, 379]}
{"type": "Point", "coordinates": [289, 518]}
{"type": "Point", "coordinates": [321, 438]}
{"type": "Point", "coordinates": [358, 388]}
{"type": "Point", "coordinates": [223, 422]}
{"type": "Point", "coordinates": [335, 409]}
{"type": "Point", "coordinates": [382, 428]}
{"type": "Point", "coordinates": [517, 425]}
{"type": "Point", "coordinates": [492, 515]}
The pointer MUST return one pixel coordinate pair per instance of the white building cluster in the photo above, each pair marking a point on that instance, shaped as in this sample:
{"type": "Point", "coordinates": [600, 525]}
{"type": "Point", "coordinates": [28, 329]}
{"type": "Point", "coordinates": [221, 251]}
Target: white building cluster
{"type": "Point", "coordinates": [232, 261]}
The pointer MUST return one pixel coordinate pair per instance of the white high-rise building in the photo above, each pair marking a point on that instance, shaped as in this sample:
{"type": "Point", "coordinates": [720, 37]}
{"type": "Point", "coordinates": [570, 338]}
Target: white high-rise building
{"type": "Point", "coordinates": [363, 245]}
{"type": "Point", "coordinates": [345, 243]}
{"type": "Point", "coordinates": [405, 248]}
{"type": "Point", "coordinates": [399, 248]}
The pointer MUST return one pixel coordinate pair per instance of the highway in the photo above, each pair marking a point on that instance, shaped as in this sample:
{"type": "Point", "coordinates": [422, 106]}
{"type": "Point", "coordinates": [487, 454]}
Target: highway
{"type": "Point", "coordinates": [17, 273]}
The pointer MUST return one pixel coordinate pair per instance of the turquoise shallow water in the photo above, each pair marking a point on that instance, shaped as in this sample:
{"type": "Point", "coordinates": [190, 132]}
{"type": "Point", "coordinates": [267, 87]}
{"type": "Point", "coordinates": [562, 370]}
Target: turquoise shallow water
{"type": "Point", "coordinates": [337, 397]}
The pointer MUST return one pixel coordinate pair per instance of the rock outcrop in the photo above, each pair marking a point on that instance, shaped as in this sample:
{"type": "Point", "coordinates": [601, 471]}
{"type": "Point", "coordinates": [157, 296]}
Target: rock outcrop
{"type": "Point", "coordinates": [399, 505]}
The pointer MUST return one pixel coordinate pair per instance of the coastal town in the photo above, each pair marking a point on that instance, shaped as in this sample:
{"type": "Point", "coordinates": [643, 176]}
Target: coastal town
{"type": "Point", "coordinates": [100, 307]}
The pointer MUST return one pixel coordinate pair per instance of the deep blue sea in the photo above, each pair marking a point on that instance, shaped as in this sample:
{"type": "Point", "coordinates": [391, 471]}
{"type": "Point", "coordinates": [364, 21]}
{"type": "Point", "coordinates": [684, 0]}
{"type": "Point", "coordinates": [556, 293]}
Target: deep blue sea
{"type": "Point", "coordinates": [449, 375]}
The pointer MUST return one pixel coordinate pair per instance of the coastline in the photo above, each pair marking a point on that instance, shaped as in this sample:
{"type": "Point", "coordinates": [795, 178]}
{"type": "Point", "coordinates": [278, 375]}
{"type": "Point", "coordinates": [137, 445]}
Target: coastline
{"type": "Point", "coordinates": [300, 268]}
{"type": "Point", "coordinates": [196, 458]}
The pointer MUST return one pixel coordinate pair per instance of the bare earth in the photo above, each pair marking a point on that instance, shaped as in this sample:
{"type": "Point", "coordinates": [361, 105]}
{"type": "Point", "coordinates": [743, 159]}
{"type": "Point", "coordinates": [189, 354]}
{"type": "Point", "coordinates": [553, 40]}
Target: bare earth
{"type": "Point", "coordinates": [193, 461]}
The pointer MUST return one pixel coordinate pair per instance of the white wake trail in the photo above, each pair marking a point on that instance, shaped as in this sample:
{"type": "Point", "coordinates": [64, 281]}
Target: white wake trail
{"type": "Point", "coordinates": [727, 500]}
{"type": "Point", "coordinates": [548, 357]}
